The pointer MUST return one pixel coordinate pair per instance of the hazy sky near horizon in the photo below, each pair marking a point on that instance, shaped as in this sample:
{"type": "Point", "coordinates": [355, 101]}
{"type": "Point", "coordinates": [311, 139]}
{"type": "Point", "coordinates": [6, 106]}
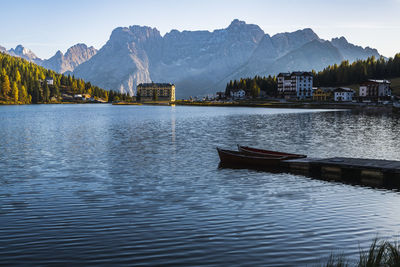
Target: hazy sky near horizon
{"type": "Point", "coordinates": [45, 26]}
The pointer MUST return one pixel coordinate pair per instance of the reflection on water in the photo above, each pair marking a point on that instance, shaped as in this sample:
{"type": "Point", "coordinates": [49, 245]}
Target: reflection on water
{"type": "Point", "coordinates": [173, 123]}
{"type": "Point", "coordinates": [108, 184]}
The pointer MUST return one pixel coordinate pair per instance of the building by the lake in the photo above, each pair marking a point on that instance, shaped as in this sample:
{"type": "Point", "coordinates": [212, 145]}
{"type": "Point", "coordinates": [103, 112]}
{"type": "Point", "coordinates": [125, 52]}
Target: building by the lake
{"type": "Point", "coordinates": [296, 85]}
{"type": "Point", "coordinates": [155, 92]}
{"type": "Point", "coordinates": [375, 90]}
{"type": "Point", "coordinates": [50, 80]}
{"type": "Point", "coordinates": [337, 94]}
{"type": "Point", "coordinates": [343, 94]}
{"type": "Point", "coordinates": [238, 94]}
{"type": "Point", "coordinates": [323, 94]}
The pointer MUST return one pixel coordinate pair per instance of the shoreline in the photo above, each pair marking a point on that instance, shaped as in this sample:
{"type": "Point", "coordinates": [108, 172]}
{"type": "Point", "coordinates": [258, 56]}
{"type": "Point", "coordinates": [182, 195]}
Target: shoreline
{"type": "Point", "coordinates": [294, 105]}
{"type": "Point", "coordinates": [255, 104]}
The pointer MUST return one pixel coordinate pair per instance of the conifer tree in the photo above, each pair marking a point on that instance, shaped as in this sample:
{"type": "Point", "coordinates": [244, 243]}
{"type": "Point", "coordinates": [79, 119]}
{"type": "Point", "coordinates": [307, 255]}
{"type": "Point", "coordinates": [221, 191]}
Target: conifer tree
{"type": "Point", "coordinates": [17, 77]}
{"type": "Point", "coordinates": [55, 91]}
{"type": "Point", "coordinates": [255, 89]}
{"type": "Point", "coordinates": [36, 93]}
{"type": "Point", "coordinates": [5, 85]}
{"type": "Point", "coordinates": [23, 95]}
{"type": "Point", "coordinates": [14, 92]}
{"type": "Point", "coordinates": [46, 92]}
{"type": "Point", "coordinates": [30, 79]}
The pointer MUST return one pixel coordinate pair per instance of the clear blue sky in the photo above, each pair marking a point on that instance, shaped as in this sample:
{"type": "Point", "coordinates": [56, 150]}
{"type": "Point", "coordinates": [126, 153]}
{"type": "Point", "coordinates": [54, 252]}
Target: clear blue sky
{"type": "Point", "coordinates": [46, 26]}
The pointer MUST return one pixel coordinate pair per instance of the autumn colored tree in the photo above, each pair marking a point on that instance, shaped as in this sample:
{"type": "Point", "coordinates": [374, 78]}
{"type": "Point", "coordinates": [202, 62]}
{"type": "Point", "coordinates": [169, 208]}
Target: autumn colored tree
{"type": "Point", "coordinates": [14, 92]}
{"type": "Point", "coordinates": [5, 85]}
{"type": "Point", "coordinates": [23, 95]}
{"type": "Point", "coordinates": [341, 74]}
{"type": "Point", "coordinates": [255, 89]}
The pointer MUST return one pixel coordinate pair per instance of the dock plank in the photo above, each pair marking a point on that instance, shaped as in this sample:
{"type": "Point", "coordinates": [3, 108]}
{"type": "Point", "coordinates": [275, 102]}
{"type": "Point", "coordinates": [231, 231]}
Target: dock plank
{"type": "Point", "coordinates": [373, 172]}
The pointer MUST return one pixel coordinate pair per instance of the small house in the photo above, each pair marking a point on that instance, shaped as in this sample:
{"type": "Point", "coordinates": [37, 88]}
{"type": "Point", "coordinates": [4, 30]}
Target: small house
{"type": "Point", "coordinates": [343, 94]}
{"type": "Point", "coordinates": [323, 93]}
{"type": "Point", "coordinates": [238, 94]}
{"type": "Point", "coordinates": [67, 97]}
{"type": "Point", "coordinates": [85, 97]}
{"type": "Point", "coordinates": [220, 95]}
{"type": "Point", "coordinates": [50, 81]}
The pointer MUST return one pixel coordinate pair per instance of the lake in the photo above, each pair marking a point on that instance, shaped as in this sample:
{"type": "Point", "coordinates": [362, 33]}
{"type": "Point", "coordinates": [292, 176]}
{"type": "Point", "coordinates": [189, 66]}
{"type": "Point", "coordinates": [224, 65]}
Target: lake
{"type": "Point", "coordinates": [103, 184]}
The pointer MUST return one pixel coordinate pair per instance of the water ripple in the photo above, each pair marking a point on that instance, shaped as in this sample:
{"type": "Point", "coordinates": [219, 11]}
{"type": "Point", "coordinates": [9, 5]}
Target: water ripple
{"type": "Point", "coordinates": [101, 185]}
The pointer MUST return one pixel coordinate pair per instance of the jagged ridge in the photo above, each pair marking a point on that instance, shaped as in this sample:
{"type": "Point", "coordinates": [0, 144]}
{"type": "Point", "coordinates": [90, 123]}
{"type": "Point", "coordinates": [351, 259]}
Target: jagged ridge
{"type": "Point", "coordinates": [200, 62]}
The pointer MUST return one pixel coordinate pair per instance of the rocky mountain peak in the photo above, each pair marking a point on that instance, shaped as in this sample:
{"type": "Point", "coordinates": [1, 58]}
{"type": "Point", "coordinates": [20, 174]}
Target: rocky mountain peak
{"type": "Point", "coordinates": [75, 55]}
{"type": "Point", "coordinates": [353, 52]}
{"type": "Point", "coordinates": [339, 41]}
{"type": "Point", "coordinates": [200, 62]}
{"type": "Point", "coordinates": [77, 47]}
{"type": "Point", "coordinates": [241, 26]}
{"type": "Point", "coordinates": [308, 32]}
{"type": "Point", "coordinates": [241, 32]}
{"type": "Point", "coordinates": [289, 41]}
{"type": "Point", "coordinates": [236, 23]}
{"type": "Point", "coordinates": [130, 39]}
{"type": "Point", "coordinates": [59, 54]}
{"type": "Point", "coordinates": [25, 53]}
{"type": "Point", "coordinates": [81, 51]}
{"type": "Point", "coordinates": [144, 31]}
{"type": "Point", "coordinates": [134, 33]}
{"type": "Point", "coordinates": [21, 51]}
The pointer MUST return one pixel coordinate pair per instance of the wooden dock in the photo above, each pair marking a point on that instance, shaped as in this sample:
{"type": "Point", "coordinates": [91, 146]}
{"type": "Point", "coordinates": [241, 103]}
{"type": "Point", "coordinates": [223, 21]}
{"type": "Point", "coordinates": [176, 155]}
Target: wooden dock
{"type": "Point", "coordinates": [371, 172]}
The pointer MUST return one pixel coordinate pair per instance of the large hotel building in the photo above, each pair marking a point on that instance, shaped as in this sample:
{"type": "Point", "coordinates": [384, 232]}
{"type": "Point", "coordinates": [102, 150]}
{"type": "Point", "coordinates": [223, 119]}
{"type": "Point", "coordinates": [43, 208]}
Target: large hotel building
{"type": "Point", "coordinates": [375, 90]}
{"type": "Point", "coordinates": [155, 92]}
{"type": "Point", "coordinates": [295, 85]}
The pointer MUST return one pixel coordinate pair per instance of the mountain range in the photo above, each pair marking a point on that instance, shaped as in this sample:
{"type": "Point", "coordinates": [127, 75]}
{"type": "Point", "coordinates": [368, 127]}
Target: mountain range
{"type": "Point", "coordinates": [198, 62]}
{"type": "Point", "coordinates": [60, 62]}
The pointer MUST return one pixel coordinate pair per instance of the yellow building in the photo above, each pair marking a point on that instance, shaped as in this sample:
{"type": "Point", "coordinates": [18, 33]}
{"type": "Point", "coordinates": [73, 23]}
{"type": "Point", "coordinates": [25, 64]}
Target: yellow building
{"type": "Point", "coordinates": [155, 92]}
{"type": "Point", "coordinates": [323, 94]}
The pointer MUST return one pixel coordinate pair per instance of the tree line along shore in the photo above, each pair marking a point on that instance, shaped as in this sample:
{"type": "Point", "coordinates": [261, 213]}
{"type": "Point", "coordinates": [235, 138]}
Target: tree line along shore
{"type": "Point", "coordinates": [23, 82]}
{"type": "Point", "coordinates": [344, 74]}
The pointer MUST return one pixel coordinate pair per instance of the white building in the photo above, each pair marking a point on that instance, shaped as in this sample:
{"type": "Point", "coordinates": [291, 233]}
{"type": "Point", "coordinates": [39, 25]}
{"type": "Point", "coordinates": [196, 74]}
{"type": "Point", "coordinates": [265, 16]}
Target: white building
{"type": "Point", "coordinates": [284, 83]}
{"type": "Point", "coordinates": [50, 81]}
{"type": "Point", "coordinates": [342, 94]}
{"type": "Point", "coordinates": [239, 94]}
{"type": "Point", "coordinates": [295, 85]}
{"type": "Point", "coordinates": [375, 90]}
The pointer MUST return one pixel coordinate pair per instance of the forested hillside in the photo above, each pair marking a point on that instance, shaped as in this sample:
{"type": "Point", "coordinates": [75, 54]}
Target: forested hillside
{"type": "Point", "coordinates": [23, 82]}
{"type": "Point", "coordinates": [335, 75]}
{"type": "Point", "coordinates": [358, 71]}
{"type": "Point", "coordinates": [253, 86]}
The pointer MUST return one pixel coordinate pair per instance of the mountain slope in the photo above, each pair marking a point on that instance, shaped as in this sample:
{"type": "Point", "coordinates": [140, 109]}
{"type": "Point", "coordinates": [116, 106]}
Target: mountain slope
{"type": "Point", "coordinates": [74, 56]}
{"type": "Point", "coordinates": [313, 55]}
{"type": "Point", "coordinates": [200, 62]}
{"type": "Point", "coordinates": [193, 60]}
{"type": "Point", "coordinates": [60, 63]}
{"type": "Point", "coordinates": [25, 53]}
{"type": "Point", "coordinates": [353, 52]}
{"type": "Point", "coordinates": [123, 61]}
{"type": "Point", "coordinates": [289, 41]}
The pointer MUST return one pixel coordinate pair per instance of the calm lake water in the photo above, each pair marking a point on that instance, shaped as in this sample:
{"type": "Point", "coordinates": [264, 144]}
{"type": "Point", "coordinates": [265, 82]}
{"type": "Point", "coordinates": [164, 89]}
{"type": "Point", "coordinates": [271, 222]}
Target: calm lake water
{"type": "Point", "coordinates": [102, 184]}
